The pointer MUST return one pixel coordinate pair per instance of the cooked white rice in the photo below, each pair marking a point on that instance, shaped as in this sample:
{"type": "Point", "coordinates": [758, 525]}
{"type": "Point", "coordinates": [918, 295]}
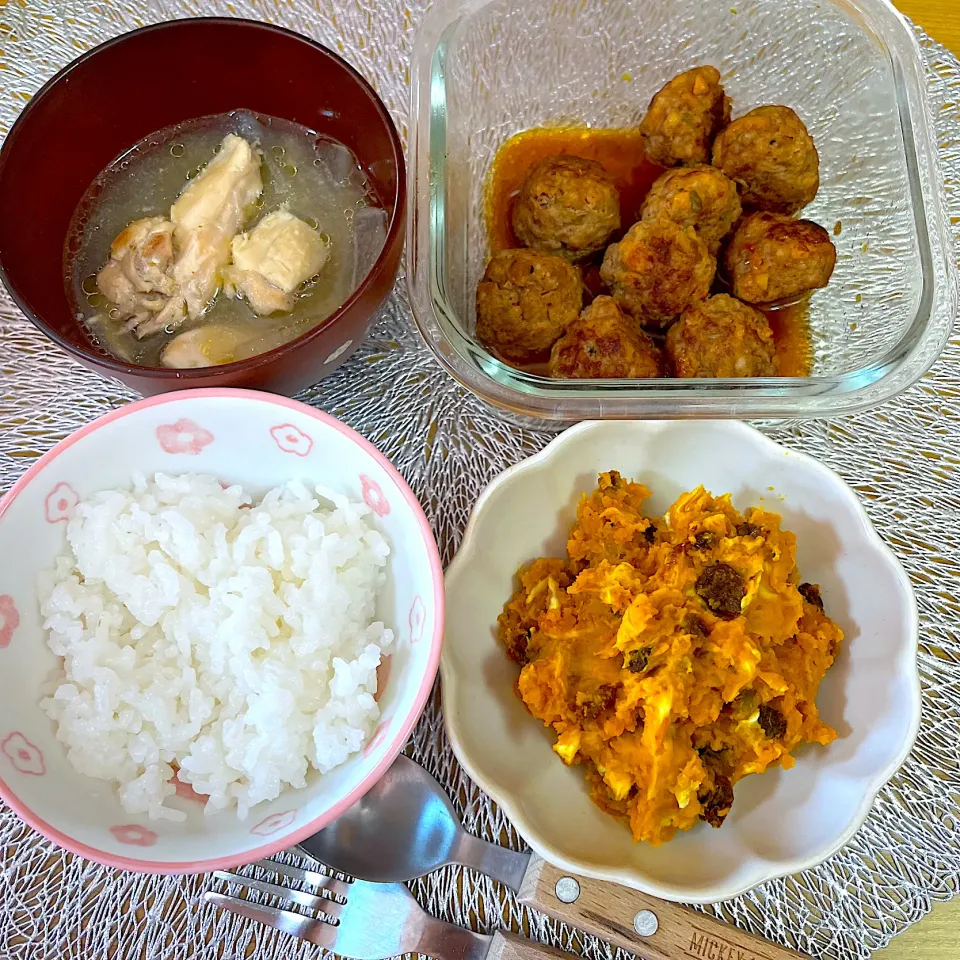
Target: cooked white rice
{"type": "Point", "coordinates": [234, 642]}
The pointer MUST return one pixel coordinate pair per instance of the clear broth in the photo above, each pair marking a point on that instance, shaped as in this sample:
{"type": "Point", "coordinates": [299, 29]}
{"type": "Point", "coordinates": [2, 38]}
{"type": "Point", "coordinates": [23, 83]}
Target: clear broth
{"type": "Point", "coordinates": [314, 177]}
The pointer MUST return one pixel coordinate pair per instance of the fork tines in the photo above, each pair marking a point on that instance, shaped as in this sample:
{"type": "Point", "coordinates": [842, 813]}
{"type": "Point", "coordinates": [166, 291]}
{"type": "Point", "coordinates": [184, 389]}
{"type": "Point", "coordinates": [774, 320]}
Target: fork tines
{"type": "Point", "coordinates": [329, 899]}
{"type": "Point", "coordinates": [320, 927]}
{"type": "Point", "coordinates": [312, 878]}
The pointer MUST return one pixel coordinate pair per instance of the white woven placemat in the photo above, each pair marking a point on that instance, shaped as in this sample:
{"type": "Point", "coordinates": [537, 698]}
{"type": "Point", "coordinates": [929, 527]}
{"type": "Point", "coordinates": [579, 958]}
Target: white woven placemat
{"type": "Point", "coordinates": [903, 459]}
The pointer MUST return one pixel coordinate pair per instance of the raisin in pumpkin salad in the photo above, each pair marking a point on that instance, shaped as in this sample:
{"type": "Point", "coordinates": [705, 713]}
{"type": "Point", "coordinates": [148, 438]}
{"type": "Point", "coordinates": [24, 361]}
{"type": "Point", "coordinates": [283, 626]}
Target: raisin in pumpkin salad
{"type": "Point", "coordinates": [672, 656]}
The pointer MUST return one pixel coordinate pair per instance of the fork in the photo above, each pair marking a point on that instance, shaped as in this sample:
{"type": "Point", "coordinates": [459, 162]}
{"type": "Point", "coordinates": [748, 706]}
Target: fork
{"type": "Point", "coordinates": [368, 921]}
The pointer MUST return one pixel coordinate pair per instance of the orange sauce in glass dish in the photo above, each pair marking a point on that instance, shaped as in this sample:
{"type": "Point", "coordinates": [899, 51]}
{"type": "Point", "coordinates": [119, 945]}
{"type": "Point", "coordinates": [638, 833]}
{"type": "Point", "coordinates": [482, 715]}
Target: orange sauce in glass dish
{"type": "Point", "coordinates": [621, 153]}
{"type": "Point", "coordinates": [791, 334]}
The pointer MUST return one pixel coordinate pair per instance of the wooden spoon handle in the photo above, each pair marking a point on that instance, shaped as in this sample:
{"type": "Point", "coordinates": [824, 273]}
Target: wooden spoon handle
{"type": "Point", "coordinates": [651, 928]}
{"type": "Point", "coordinates": [508, 946]}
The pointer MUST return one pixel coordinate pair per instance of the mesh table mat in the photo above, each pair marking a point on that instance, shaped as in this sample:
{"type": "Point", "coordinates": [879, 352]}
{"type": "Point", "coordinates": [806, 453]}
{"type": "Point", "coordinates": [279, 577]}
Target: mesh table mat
{"type": "Point", "coordinates": [903, 459]}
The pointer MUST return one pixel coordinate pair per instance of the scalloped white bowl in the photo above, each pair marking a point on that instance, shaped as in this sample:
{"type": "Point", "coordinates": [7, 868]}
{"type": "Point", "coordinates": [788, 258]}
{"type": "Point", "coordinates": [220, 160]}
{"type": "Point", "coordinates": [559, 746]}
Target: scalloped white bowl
{"type": "Point", "coordinates": [782, 822]}
{"type": "Point", "coordinates": [244, 437]}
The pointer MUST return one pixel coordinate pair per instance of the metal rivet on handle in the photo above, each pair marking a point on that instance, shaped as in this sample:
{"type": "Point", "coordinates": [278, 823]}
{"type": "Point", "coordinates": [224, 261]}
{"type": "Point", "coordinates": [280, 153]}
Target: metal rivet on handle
{"type": "Point", "coordinates": [646, 923]}
{"type": "Point", "coordinates": [568, 890]}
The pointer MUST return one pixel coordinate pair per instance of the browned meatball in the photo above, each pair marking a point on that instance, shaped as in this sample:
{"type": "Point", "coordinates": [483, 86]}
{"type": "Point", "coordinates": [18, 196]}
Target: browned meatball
{"type": "Point", "coordinates": [568, 206]}
{"type": "Point", "coordinates": [657, 270]}
{"type": "Point", "coordinates": [525, 301]}
{"type": "Point", "coordinates": [721, 337]}
{"type": "Point", "coordinates": [603, 343]}
{"type": "Point", "coordinates": [769, 153]}
{"type": "Point", "coordinates": [774, 258]}
{"type": "Point", "coordinates": [700, 197]}
{"type": "Point", "coordinates": [683, 118]}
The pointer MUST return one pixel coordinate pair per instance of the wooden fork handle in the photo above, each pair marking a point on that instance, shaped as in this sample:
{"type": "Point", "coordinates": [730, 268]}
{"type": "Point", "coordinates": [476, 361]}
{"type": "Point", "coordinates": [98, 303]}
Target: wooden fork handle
{"type": "Point", "coordinates": [508, 946]}
{"type": "Point", "coordinates": [651, 928]}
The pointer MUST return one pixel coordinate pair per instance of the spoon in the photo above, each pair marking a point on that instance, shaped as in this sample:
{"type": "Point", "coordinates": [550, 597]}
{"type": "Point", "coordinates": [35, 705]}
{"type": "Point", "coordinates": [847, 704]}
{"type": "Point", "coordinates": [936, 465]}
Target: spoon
{"type": "Point", "coordinates": [405, 827]}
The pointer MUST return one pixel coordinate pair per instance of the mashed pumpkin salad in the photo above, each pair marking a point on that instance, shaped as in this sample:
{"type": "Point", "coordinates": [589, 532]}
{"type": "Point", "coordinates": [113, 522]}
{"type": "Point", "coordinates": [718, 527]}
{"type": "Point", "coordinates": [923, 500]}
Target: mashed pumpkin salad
{"type": "Point", "coordinates": [671, 657]}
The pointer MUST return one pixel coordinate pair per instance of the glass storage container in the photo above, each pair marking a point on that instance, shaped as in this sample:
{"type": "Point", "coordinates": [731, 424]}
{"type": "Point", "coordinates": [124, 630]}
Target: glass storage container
{"type": "Point", "coordinates": [488, 69]}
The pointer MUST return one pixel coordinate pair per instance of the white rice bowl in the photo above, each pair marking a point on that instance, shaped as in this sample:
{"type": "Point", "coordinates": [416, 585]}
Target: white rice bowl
{"type": "Point", "coordinates": [202, 636]}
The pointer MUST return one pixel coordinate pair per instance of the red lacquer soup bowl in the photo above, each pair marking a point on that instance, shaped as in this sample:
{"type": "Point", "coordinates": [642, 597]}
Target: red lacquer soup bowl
{"type": "Point", "coordinates": [87, 116]}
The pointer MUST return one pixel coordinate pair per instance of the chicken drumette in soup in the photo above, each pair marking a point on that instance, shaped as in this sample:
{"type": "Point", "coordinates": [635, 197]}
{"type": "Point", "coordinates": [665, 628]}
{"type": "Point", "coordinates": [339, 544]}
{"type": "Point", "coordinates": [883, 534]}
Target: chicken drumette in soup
{"type": "Point", "coordinates": [157, 284]}
{"type": "Point", "coordinates": [137, 277]}
{"type": "Point", "coordinates": [255, 235]}
{"type": "Point", "coordinates": [272, 260]}
{"type": "Point", "coordinates": [208, 215]}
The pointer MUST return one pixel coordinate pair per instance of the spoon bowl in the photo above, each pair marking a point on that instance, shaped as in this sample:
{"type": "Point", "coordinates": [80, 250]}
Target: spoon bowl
{"type": "Point", "coordinates": [405, 827]}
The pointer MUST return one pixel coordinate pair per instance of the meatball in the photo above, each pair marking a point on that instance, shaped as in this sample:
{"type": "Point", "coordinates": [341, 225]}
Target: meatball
{"type": "Point", "coordinates": [774, 258]}
{"type": "Point", "coordinates": [700, 197]}
{"type": "Point", "coordinates": [525, 301]}
{"type": "Point", "coordinates": [721, 337]}
{"type": "Point", "coordinates": [683, 118]}
{"type": "Point", "coordinates": [657, 270]}
{"type": "Point", "coordinates": [602, 344]}
{"type": "Point", "coordinates": [769, 153]}
{"type": "Point", "coordinates": [568, 206]}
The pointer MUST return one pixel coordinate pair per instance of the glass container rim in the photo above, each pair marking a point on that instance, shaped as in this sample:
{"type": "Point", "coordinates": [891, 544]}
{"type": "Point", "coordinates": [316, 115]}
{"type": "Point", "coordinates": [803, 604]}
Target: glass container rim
{"type": "Point", "coordinates": [566, 400]}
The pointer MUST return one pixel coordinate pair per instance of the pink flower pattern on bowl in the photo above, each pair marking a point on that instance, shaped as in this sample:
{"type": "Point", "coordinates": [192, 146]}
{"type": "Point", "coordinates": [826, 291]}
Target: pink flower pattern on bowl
{"type": "Point", "coordinates": [373, 496]}
{"type": "Point", "coordinates": [378, 737]}
{"type": "Point", "coordinates": [24, 756]}
{"type": "Point", "coordinates": [383, 676]}
{"type": "Point", "coordinates": [184, 436]}
{"type": "Point", "coordinates": [186, 792]}
{"type": "Point", "coordinates": [291, 439]}
{"type": "Point", "coordinates": [134, 835]}
{"type": "Point", "coordinates": [60, 503]}
{"type": "Point", "coordinates": [196, 434]}
{"type": "Point", "coordinates": [418, 617]}
{"type": "Point", "coordinates": [9, 619]}
{"type": "Point", "coordinates": [273, 823]}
